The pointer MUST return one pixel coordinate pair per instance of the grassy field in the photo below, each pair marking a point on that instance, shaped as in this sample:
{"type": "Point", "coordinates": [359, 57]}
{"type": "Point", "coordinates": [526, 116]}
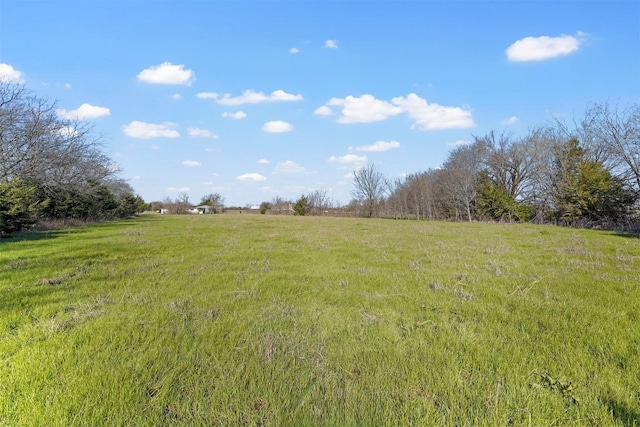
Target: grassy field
{"type": "Point", "coordinates": [292, 321]}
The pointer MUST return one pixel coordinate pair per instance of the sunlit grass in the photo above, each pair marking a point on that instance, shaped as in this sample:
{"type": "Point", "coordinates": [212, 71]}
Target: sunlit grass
{"type": "Point", "coordinates": [261, 320]}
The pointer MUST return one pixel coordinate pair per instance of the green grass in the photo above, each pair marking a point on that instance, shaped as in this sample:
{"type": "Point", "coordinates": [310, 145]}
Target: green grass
{"type": "Point", "coordinates": [265, 320]}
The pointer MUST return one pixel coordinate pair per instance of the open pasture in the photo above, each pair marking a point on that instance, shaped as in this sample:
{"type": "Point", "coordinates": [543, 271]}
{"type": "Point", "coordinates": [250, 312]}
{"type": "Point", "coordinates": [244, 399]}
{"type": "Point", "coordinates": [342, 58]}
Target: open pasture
{"type": "Point", "coordinates": [291, 321]}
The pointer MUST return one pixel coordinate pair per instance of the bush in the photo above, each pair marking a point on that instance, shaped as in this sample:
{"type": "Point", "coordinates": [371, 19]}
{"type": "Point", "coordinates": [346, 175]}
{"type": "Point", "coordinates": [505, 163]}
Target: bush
{"type": "Point", "coordinates": [18, 207]}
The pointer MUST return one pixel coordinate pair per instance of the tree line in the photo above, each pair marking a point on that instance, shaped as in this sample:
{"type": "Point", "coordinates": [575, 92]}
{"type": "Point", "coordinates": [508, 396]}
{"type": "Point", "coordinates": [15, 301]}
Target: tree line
{"type": "Point", "coordinates": [586, 174]}
{"type": "Point", "coordinates": [54, 168]}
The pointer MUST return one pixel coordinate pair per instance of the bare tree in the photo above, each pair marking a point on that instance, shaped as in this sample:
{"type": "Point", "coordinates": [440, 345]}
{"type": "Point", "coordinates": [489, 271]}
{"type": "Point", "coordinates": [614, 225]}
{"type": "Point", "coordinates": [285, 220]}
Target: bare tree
{"type": "Point", "coordinates": [214, 200]}
{"type": "Point", "coordinates": [370, 188]}
{"type": "Point", "coordinates": [39, 147]}
{"type": "Point", "coordinates": [616, 132]}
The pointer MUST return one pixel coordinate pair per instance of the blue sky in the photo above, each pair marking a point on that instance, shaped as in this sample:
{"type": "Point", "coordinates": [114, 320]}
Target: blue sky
{"type": "Point", "coordinates": [253, 99]}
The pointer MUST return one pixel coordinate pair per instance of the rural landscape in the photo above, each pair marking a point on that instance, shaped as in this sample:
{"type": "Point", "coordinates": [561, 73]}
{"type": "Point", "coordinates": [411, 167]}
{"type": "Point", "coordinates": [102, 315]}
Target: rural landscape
{"type": "Point", "coordinates": [284, 320]}
{"type": "Point", "coordinates": [354, 213]}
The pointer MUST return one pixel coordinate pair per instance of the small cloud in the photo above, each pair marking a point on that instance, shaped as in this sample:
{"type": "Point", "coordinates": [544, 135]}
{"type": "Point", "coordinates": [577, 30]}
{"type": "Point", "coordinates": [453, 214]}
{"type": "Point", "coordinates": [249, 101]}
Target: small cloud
{"type": "Point", "coordinates": [323, 111]}
{"type": "Point", "coordinates": [377, 146]}
{"type": "Point", "coordinates": [212, 150]}
{"type": "Point", "coordinates": [167, 73]}
{"type": "Point", "coordinates": [458, 143]}
{"type": "Point", "coordinates": [251, 177]}
{"type": "Point", "coordinates": [142, 130]}
{"type": "Point", "coordinates": [331, 44]}
{"type": "Point", "coordinates": [294, 50]}
{"type": "Point", "coordinates": [191, 163]}
{"type": "Point", "coordinates": [277, 126]}
{"type": "Point", "coordinates": [155, 147]}
{"type": "Point", "coordinates": [543, 47]}
{"type": "Point", "coordinates": [85, 111]}
{"type": "Point", "coordinates": [8, 74]}
{"type": "Point", "coordinates": [176, 96]}
{"type": "Point", "coordinates": [235, 116]}
{"type": "Point", "coordinates": [348, 158]}
{"type": "Point", "coordinates": [208, 95]}
{"type": "Point", "coordinates": [201, 133]}
{"type": "Point", "coordinates": [433, 116]}
{"type": "Point", "coordinates": [135, 178]}
{"type": "Point", "coordinates": [252, 97]}
{"type": "Point", "coordinates": [364, 109]}
{"type": "Point", "coordinates": [67, 86]}
{"type": "Point", "coordinates": [180, 189]}
{"type": "Point", "coordinates": [289, 167]}
{"type": "Point", "coordinates": [510, 121]}
{"type": "Point", "coordinates": [263, 162]}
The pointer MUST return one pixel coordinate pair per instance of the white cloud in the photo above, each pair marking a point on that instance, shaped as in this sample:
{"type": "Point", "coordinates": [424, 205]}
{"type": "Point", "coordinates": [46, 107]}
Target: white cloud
{"type": "Point", "coordinates": [167, 73]}
{"type": "Point", "coordinates": [67, 85]}
{"type": "Point", "coordinates": [543, 47]}
{"type": "Point", "coordinates": [263, 162]}
{"type": "Point", "coordinates": [294, 50]}
{"type": "Point", "coordinates": [176, 96]}
{"type": "Point", "coordinates": [277, 126]}
{"type": "Point", "coordinates": [433, 116]}
{"type": "Point", "coordinates": [255, 177]}
{"type": "Point", "coordinates": [201, 133]}
{"type": "Point", "coordinates": [377, 146]}
{"type": "Point", "coordinates": [8, 74]}
{"type": "Point", "coordinates": [252, 97]}
{"type": "Point", "coordinates": [364, 109]}
{"type": "Point", "coordinates": [180, 189]}
{"type": "Point", "coordinates": [367, 108]}
{"type": "Point", "coordinates": [348, 158]}
{"type": "Point", "coordinates": [236, 116]}
{"type": "Point", "coordinates": [289, 167]}
{"type": "Point", "coordinates": [155, 147]}
{"type": "Point", "coordinates": [208, 95]}
{"type": "Point", "coordinates": [510, 121]}
{"type": "Point", "coordinates": [191, 163]}
{"type": "Point", "coordinates": [135, 178]}
{"type": "Point", "coordinates": [144, 130]}
{"type": "Point", "coordinates": [323, 111]}
{"type": "Point", "coordinates": [85, 111]}
{"type": "Point", "coordinates": [331, 44]}
{"type": "Point", "coordinates": [458, 143]}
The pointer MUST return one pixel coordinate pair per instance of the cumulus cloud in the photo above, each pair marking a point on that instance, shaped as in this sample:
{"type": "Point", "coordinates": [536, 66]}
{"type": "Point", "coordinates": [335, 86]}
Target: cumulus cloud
{"type": "Point", "coordinates": [263, 162]}
{"type": "Point", "coordinates": [167, 73]}
{"type": "Point", "coordinates": [67, 86]}
{"type": "Point", "coordinates": [543, 47]}
{"type": "Point", "coordinates": [294, 50]}
{"type": "Point", "coordinates": [251, 177]}
{"type": "Point", "coordinates": [85, 111]}
{"type": "Point", "coordinates": [433, 116]}
{"type": "Point", "coordinates": [201, 133]}
{"type": "Point", "coordinates": [208, 95]}
{"type": "Point", "coordinates": [180, 189]}
{"type": "Point", "coordinates": [364, 109]}
{"type": "Point", "coordinates": [142, 130]}
{"type": "Point", "coordinates": [510, 121]}
{"type": "Point", "coordinates": [331, 44]}
{"type": "Point", "coordinates": [8, 74]}
{"type": "Point", "coordinates": [289, 167]}
{"type": "Point", "coordinates": [235, 116]}
{"type": "Point", "coordinates": [176, 96]}
{"type": "Point", "coordinates": [348, 159]}
{"type": "Point", "coordinates": [377, 146]}
{"type": "Point", "coordinates": [323, 111]}
{"type": "Point", "coordinates": [191, 163]}
{"type": "Point", "coordinates": [367, 108]}
{"type": "Point", "coordinates": [277, 126]}
{"type": "Point", "coordinates": [252, 97]}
